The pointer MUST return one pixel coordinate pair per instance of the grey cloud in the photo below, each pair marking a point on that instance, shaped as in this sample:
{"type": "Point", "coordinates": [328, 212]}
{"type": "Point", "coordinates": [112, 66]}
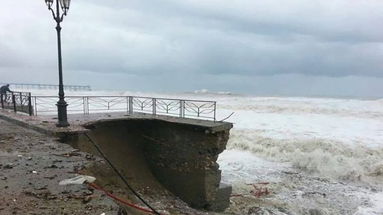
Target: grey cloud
{"type": "Point", "coordinates": [206, 41]}
{"type": "Point", "coordinates": [9, 58]}
{"type": "Point", "coordinates": [217, 42]}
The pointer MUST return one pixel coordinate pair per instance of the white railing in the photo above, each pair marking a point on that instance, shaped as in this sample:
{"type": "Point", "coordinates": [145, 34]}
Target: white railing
{"type": "Point", "coordinates": [131, 104]}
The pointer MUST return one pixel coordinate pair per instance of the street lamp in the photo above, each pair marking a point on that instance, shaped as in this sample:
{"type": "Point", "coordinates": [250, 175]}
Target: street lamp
{"type": "Point", "coordinates": [58, 17]}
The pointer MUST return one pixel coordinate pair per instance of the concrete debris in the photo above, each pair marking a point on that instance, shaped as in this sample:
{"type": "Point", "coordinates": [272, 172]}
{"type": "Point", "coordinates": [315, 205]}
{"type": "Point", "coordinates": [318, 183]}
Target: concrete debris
{"type": "Point", "coordinates": [8, 166]}
{"type": "Point", "coordinates": [81, 179]}
{"type": "Point", "coordinates": [315, 212]}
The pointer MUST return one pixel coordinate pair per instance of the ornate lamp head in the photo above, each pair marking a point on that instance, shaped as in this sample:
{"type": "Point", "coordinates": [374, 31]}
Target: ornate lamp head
{"type": "Point", "coordinates": [64, 5]}
{"type": "Point", "coordinates": [49, 3]}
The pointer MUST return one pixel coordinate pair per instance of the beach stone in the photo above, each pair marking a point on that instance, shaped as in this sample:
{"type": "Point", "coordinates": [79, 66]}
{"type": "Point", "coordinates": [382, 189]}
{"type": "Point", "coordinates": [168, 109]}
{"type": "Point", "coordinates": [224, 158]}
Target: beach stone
{"type": "Point", "coordinates": [8, 166]}
{"type": "Point", "coordinates": [315, 212]}
{"type": "Point", "coordinates": [222, 200]}
{"type": "Point", "coordinates": [86, 199]}
{"type": "Point", "coordinates": [258, 211]}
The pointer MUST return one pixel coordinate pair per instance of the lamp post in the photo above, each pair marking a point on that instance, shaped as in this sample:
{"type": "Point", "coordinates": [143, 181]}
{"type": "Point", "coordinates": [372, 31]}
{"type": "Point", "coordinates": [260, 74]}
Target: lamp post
{"type": "Point", "coordinates": [58, 16]}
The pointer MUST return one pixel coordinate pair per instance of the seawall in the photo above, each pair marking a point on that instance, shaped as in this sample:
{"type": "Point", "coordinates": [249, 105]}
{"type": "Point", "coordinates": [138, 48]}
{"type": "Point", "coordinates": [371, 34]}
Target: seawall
{"type": "Point", "coordinates": [179, 157]}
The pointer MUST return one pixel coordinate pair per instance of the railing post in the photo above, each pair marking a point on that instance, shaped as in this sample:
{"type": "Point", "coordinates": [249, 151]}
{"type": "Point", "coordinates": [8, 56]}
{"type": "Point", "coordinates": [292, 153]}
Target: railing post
{"type": "Point", "coordinates": [14, 102]}
{"type": "Point", "coordinates": [215, 111]}
{"type": "Point", "coordinates": [154, 106]}
{"type": "Point", "coordinates": [127, 104]}
{"type": "Point", "coordinates": [130, 104]}
{"type": "Point", "coordinates": [21, 99]}
{"type": "Point", "coordinates": [182, 108]}
{"type": "Point", "coordinates": [30, 109]}
{"type": "Point", "coordinates": [2, 100]}
{"type": "Point", "coordinates": [35, 105]}
{"type": "Point", "coordinates": [87, 105]}
{"type": "Point", "coordinates": [83, 105]}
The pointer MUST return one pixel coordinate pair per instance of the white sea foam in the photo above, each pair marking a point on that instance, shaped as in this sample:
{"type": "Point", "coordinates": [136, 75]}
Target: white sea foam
{"type": "Point", "coordinates": [319, 156]}
{"type": "Point", "coordinates": [373, 207]}
{"type": "Point", "coordinates": [332, 138]}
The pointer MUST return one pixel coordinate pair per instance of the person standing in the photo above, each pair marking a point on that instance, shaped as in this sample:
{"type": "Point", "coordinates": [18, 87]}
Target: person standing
{"type": "Point", "coordinates": [3, 92]}
{"type": "Point", "coordinates": [4, 89]}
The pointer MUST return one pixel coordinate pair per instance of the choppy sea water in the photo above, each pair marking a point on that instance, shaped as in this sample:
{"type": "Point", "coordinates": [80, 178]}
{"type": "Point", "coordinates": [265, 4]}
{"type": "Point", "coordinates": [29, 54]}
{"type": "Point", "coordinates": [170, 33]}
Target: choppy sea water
{"type": "Point", "coordinates": [315, 154]}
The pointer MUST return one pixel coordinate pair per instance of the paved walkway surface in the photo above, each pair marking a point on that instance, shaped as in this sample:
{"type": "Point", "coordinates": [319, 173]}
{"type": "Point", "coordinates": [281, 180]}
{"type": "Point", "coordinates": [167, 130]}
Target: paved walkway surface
{"type": "Point", "coordinates": [47, 123]}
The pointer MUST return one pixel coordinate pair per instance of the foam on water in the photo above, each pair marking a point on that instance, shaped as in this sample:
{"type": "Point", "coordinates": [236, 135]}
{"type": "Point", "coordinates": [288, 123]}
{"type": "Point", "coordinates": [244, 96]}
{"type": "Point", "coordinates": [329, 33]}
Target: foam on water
{"type": "Point", "coordinates": [322, 157]}
{"type": "Point", "coordinates": [245, 167]}
{"type": "Point", "coordinates": [291, 191]}
{"type": "Point", "coordinates": [373, 207]}
{"type": "Point", "coordinates": [337, 138]}
{"type": "Point", "coordinates": [330, 138]}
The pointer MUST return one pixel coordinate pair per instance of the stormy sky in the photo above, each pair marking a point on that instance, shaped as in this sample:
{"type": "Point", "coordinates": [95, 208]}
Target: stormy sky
{"type": "Point", "coordinates": [259, 47]}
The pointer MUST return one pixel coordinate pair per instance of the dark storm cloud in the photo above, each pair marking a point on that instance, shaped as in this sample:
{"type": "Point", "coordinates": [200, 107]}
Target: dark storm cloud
{"type": "Point", "coordinates": [219, 41]}
{"type": "Point", "coordinates": [207, 38]}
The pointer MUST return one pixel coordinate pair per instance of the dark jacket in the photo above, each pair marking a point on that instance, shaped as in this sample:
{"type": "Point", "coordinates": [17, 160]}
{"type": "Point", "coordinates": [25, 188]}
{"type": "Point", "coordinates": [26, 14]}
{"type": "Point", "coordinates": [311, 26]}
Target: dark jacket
{"type": "Point", "coordinates": [4, 89]}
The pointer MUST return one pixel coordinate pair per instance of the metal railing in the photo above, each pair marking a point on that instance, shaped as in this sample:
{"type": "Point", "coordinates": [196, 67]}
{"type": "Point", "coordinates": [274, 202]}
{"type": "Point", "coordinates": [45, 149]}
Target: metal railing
{"type": "Point", "coordinates": [130, 104]}
{"type": "Point", "coordinates": [48, 86]}
{"type": "Point", "coordinates": [17, 101]}
{"type": "Point", "coordinates": [46, 105]}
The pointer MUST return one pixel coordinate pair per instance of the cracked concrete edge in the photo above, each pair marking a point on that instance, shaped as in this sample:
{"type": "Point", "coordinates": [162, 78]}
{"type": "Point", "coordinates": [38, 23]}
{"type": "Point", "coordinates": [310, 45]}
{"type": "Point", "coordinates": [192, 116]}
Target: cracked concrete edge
{"type": "Point", "coordinates": [211, 127]}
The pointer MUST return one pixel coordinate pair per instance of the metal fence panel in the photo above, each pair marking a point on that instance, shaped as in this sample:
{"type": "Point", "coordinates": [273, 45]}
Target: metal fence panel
{"type": "Point", "coordinates": [46, 105]}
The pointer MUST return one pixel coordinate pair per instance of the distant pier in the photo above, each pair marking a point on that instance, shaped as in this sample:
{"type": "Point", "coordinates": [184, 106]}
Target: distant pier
{"type": "Point", "coordinates": [48, 86]}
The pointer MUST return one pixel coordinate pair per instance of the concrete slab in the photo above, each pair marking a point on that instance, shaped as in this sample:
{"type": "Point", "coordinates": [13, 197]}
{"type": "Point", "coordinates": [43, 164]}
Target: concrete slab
{"type": "Point", "coordinates": [47, 123]}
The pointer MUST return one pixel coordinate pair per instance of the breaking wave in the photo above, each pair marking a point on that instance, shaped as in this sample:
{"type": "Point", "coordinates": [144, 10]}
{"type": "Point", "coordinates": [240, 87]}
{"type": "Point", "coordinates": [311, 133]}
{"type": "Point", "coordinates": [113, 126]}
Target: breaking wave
{"type": "Point", "coordinates": [321, 157]}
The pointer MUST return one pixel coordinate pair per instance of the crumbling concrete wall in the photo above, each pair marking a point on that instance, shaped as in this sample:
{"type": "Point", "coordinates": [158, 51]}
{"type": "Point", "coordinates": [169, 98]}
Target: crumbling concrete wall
{"type": "Point", "coordinates": [178, 156]}
{"type": "Point", "coordinates": [183, 158]}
